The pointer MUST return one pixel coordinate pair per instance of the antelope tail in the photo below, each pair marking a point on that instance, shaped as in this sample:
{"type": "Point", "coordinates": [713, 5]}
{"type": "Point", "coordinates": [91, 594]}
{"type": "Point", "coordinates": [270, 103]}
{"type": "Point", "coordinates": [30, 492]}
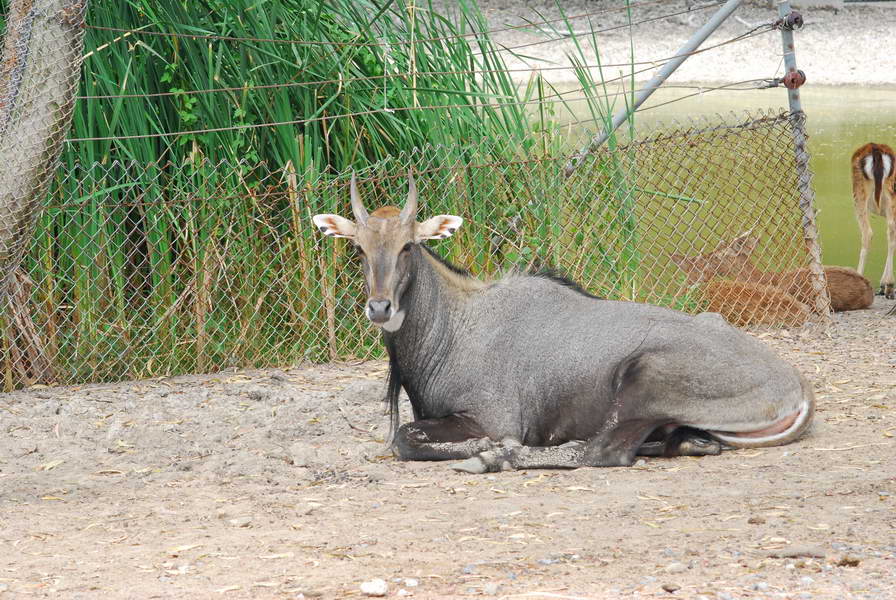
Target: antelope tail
{"type": "Point", "coordinates": [877, 167]}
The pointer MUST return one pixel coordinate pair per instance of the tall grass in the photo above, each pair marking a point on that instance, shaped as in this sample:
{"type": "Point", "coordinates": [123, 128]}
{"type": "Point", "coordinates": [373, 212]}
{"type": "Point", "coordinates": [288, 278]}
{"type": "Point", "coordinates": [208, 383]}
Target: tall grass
{"type": "Point", "coordinates": [170, 254]}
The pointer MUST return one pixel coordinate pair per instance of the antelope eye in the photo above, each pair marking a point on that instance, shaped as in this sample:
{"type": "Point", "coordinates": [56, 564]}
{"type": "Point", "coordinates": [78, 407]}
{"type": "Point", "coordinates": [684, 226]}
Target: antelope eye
{"type": "Point", "coordinates": [358, 250]}
{"type": "Point", "coordinates": [407, 247]}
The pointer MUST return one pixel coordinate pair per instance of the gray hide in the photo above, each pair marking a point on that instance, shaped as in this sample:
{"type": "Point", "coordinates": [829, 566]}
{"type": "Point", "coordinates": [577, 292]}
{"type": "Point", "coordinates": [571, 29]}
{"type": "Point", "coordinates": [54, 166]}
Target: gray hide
{"type": "Point", "coordinates": [527, 362]}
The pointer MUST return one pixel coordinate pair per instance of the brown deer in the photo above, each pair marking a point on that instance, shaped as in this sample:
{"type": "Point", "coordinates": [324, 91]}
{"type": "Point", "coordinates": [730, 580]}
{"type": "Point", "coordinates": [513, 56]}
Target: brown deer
{"type": "Point", "coordinates": [873, 190]}
{"type": "Point", "coordinates": [731, 260]}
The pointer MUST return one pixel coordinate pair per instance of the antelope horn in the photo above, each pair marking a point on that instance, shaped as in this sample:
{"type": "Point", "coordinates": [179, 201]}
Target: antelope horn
{"type": "Point", "coordinates": [409, 212]}
{"type": "Point", "coordinates": [357, 205]}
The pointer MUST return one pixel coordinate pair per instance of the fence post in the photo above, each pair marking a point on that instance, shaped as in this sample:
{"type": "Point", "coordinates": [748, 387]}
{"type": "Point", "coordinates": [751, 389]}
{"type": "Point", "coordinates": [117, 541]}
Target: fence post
{"type": "Point", "coordinates": [39, 74]}
{"type": "Point", "coordinates": [792, 79]}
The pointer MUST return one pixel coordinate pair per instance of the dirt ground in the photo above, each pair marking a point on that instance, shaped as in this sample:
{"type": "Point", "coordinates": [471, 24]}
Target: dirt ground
{"type": "Point", "coordinates": [276, 484]}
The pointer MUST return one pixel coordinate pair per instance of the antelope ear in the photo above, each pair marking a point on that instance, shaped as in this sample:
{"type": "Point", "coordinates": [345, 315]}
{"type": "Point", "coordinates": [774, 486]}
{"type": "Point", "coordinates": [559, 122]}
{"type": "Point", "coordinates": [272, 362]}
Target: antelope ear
{"type": "Point", "coordinates": [334, 226]}
{"type": "Point", "coordinates": [437, 228]}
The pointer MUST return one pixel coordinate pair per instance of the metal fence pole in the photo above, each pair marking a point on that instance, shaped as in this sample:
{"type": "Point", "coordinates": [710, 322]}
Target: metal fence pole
{"type": "Point", "coordinates": [644, 93]}
{"type": "Point", "coordinates": [792, 79]}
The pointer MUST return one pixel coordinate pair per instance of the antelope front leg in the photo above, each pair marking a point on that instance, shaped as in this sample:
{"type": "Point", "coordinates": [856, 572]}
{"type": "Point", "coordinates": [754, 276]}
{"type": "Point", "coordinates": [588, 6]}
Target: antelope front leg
{"type": "Point", "coordinates": [448, 438]}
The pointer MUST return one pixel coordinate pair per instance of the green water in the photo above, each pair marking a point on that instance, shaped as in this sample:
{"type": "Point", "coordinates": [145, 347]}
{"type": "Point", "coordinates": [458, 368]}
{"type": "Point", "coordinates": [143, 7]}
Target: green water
{"type": "Point", "coordinates": [839, 120]}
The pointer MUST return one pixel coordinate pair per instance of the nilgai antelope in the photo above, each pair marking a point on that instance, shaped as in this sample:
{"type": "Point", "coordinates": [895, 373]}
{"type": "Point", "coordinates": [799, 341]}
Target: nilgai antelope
{"type": "Point", "coordinates": [733, 260]}
{"type": "Point", "coordinates": [873, 191]}
{"type": "Point", "coordinates": [530, 371]}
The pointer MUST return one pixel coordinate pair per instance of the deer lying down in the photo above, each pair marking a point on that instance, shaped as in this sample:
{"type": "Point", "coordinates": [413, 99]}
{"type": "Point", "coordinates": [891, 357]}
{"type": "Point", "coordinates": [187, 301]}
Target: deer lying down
{"type": "Point", "coordinates": [529, 371]}
{"type": "Point", "coordinates": [848, 289]}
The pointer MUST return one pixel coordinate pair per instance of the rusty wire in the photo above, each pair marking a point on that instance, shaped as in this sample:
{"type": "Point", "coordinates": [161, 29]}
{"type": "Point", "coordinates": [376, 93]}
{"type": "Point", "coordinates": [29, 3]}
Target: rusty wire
{"type": "Point", "coordinates": [325, 118]}
{"type": "Point", "coordinates": [224, 38]}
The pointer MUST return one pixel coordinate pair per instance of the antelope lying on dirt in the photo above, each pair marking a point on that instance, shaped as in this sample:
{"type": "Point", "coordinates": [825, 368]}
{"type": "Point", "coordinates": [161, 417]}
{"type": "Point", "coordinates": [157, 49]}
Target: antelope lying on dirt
{"type": "Point", "coordinates": [529, 371]}
{"type": "Point", "coordinates": [848, 289]}
{"type": "Point", "coordinates": [873, 191]}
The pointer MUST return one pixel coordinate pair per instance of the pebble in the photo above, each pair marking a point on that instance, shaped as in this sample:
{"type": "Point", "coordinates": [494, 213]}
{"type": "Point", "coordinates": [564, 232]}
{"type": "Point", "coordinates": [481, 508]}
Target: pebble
{"type": "Point", "coordinates": [241, 521]}
{"type": "Point", "coordinates": [796, 551]}
{"type": "Point", "coordinates": [761, 586]}
{"type": "Point", "coordinates": [411, 582]}
{"type": "Point", "coordinates": [671, 587]}
{"type": "Point", "coordinates": [676, 567]}
{"type": "Point", "coordinates": [375, 587]}
{"type": "Point", "coordinates": [490, 589]}
{"type": "Point", "coordinates": [806, 580]}
{"type": "Point", "coordinates": [469, 570]}
{"type": "Point", "coordinates": [724, 596]}
{"type": "Point", "coordinates": [849, 560]}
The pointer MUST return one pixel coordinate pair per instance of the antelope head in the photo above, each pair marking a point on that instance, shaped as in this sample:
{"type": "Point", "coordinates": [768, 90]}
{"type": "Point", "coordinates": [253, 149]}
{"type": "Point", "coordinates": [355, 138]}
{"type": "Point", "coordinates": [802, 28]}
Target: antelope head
{"type": "Point", "coordinates": [386, 239]}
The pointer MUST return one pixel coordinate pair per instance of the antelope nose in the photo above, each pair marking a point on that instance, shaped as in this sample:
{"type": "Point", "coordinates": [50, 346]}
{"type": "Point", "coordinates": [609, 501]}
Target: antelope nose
{"type": "Point", "coordinates": [379, 311]}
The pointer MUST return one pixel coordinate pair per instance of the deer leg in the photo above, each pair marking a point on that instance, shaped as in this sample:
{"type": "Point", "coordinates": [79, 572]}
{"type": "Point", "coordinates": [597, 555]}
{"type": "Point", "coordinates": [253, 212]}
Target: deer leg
{"type": "Point", "coordinates": [448, 438]}
{"type": "Point", "coordinates": [863, 218]}
{"type": "Point", "coordinates": [887, 281]}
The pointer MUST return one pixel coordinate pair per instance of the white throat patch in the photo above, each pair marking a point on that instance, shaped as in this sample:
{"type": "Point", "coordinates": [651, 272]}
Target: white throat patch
{"type": "Point", "coordinates": [394, 324]}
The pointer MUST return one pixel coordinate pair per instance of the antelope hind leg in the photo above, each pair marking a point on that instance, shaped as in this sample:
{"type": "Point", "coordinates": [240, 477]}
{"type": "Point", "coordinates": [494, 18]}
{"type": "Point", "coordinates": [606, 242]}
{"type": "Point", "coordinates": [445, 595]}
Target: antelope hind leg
{"type": "Point", "coordinates": [680, 441]}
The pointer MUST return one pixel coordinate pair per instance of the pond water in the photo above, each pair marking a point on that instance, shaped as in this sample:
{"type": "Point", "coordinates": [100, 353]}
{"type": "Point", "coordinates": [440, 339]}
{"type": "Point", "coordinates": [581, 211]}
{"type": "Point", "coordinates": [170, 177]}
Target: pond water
{"type": "Point", "coordinates": [839, 120]}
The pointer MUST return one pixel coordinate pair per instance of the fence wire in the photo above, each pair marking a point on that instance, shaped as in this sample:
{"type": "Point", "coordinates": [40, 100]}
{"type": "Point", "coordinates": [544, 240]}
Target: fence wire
{"type": "Point", "coordinates": [39, 74]}
{"type": "Point", "coordinates": [141, 270]}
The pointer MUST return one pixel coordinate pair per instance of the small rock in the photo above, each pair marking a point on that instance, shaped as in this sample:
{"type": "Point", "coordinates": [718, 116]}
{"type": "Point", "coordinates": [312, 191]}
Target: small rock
{"type": "Point", "coordinates": [404, 592]}
{"type": "Point", "coordinates": [490, 589]}
{"type": "Point", "coordinates": [676, 567]}
{"type": "Point", "coordinates": [755, 520]}
{"type": "Point", "coordinates": [760, 587]}
{"type": "Point", "coordinates": [411, 582]}
{"type": "Point", "coordinates": [469, 570]}
{"type": "Point", "coordinates": [548, 561]}
{"type": "Point", "coordinates": [671, 587]}
{"type": "Point", "coordinates": [640, 462]}
{"type": "Point", "coordinates": [806, 580]}
{"type": "Point", "coordinates": [375, 587]}
{"type": "Point", "coordinates": [240, 521]}
{"type": "Point", "coordinates": [724, 596]}
{"type": "Point", "coordinates": [4, 587]}
{"type": "Point", "coordinates": [258, 395]}
{"type": "Point", "coordinates": [797, 552]}
{"type": "Point", "coordinates": [848, 560]}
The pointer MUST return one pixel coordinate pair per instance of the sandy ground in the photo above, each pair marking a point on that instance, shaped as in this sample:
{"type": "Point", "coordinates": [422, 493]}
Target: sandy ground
{"type": "Point", "coordinates": [276, 485]}
{"type": "Point", "coordinates": [852, 46]}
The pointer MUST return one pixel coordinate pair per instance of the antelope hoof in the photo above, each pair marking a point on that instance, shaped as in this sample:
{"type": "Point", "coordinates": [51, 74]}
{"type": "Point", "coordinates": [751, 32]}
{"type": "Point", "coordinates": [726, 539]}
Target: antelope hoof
{"type": "Point", "coordinates": [485, 462]}
{"type": "Point", "coordinates": [473, 465]}
{"type": "Point", "coordinates": [696, 446]}
{"type": "Point", "coordinates": [889, 292]}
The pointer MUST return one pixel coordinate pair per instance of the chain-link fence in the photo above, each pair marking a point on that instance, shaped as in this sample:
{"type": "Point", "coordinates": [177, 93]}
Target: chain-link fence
{"type": "Point", "coordinates": [39, 73]}
{"type": "Point", "coordinates": [141, 270]}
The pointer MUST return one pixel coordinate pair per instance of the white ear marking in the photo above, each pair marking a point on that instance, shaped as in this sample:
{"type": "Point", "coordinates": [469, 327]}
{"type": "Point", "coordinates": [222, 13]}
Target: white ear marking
{"type": "Point", "coordinates": [438, 227]}
{"type": "Point", "coordinates": [334, 226]}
